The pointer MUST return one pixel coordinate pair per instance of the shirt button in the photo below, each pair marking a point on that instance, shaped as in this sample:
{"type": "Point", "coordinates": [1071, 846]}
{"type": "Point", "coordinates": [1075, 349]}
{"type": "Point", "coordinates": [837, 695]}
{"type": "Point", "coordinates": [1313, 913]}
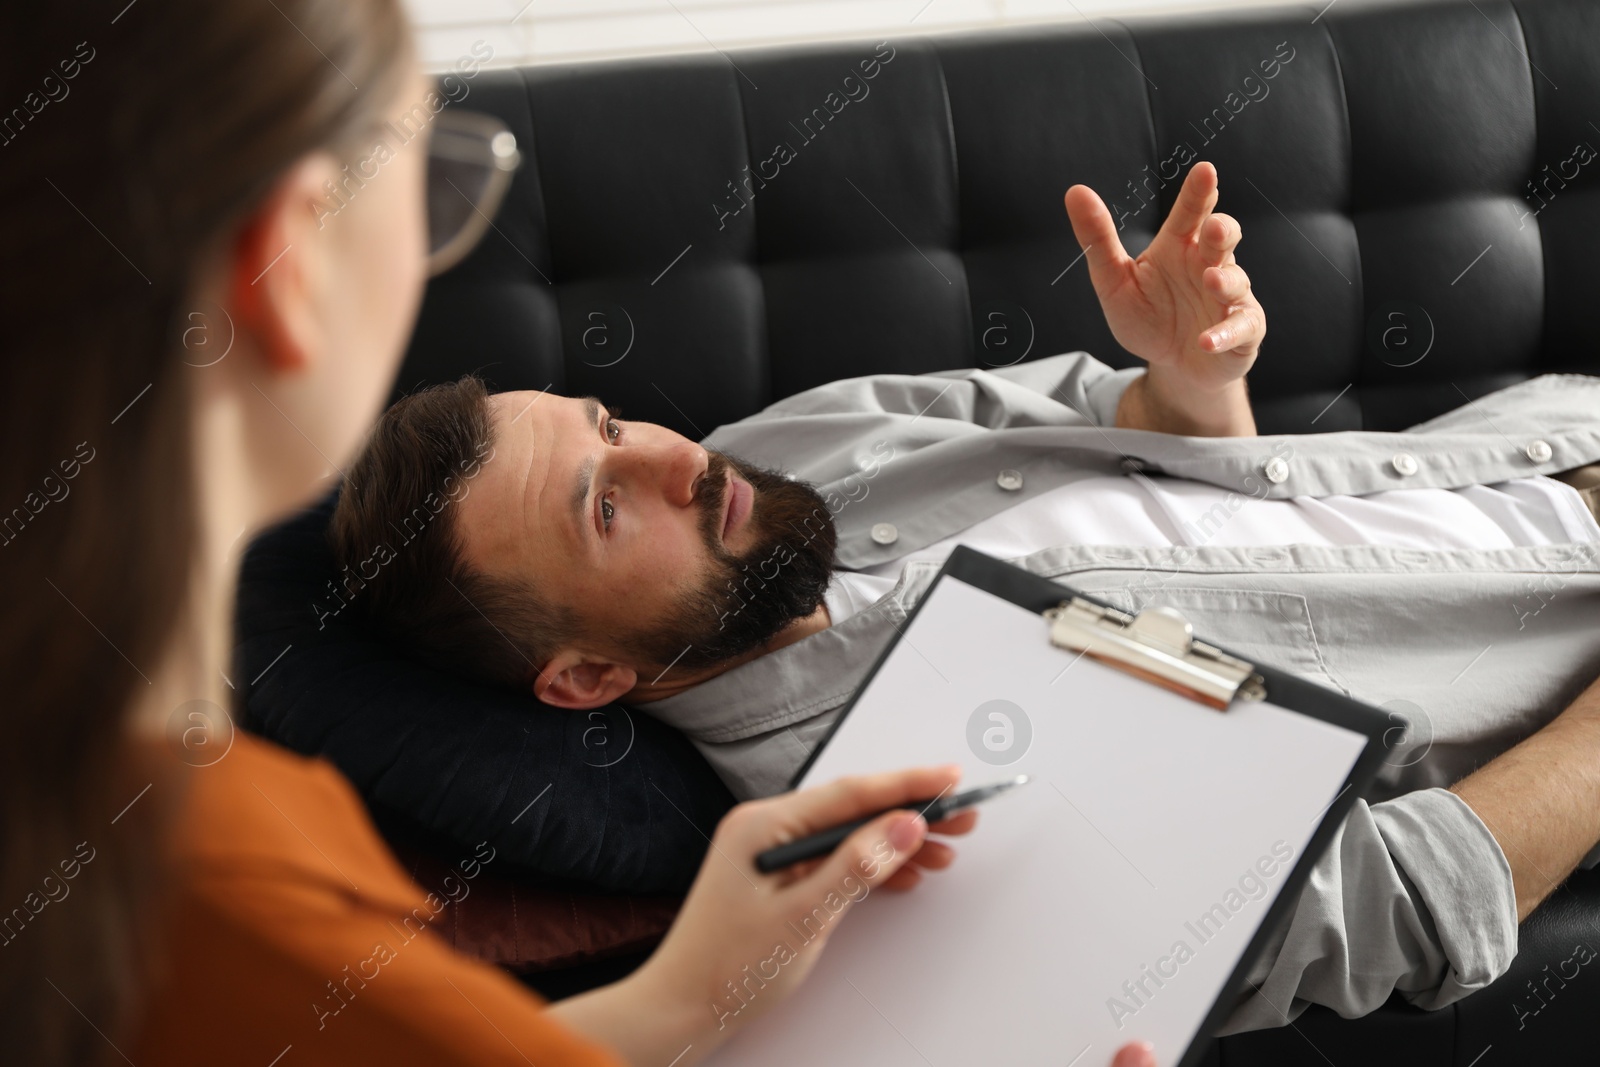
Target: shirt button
{"type": "Point", "coordinates": [1276, 469]}
{"type": "Point", "coordinates": [1539, 451]}
{"type": "Point", "coordinates": [1404, 464]}
{"type": "Point", "coordinates": [885, 534]}
{"type": "Point", "coordinates": [1009, 480]}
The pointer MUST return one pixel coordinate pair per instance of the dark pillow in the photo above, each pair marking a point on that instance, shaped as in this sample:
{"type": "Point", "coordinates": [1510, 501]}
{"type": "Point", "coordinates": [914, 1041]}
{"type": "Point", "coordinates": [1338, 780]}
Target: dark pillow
{"type": "Point", "coordinates": [608, 799]}
{"type": "Point", "coordinates": [531, 930]}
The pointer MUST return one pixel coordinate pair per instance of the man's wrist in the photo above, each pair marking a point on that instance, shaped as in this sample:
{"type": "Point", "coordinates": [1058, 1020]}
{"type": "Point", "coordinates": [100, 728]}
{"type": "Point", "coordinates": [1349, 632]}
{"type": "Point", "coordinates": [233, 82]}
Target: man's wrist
{"type": "Point", "coordinates": [1155, 401]}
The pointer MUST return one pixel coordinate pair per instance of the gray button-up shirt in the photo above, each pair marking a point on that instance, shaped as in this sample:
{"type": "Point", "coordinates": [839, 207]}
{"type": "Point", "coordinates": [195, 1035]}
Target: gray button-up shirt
{"type": "Point", "coordinates": [1476, 649]}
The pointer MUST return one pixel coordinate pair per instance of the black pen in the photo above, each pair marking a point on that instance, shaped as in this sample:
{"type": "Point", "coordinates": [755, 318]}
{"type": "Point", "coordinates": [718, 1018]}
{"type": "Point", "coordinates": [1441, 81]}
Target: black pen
{"type": "Point", "coordinates": [936, 810]}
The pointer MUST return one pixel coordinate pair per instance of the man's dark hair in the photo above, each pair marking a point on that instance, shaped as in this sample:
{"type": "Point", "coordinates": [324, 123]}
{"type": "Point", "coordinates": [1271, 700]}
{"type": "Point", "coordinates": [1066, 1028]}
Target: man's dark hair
{"type": "Point", "coordinates": [395, 535]}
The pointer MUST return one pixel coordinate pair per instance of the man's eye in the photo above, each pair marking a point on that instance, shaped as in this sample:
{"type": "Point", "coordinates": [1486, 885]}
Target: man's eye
{"type": "Point", "coordinates": [607, 511]}
{"type": "Point", "coordinates": [613, 430]}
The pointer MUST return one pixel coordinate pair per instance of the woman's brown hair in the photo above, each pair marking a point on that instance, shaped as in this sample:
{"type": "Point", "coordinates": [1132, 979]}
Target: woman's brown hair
{"type": "Point", "coordinates": [134, 140]}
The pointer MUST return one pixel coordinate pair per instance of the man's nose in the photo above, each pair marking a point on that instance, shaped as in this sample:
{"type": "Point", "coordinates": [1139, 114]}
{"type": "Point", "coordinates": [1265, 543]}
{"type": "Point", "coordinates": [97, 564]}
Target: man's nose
{"type": "Point", "coordinates": [676, 468]}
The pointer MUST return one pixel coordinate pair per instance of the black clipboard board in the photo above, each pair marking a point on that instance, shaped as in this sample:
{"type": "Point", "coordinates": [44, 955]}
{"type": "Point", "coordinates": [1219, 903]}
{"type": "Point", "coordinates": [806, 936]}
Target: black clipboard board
{"type": "Point", "coordinates": [1039, 595]}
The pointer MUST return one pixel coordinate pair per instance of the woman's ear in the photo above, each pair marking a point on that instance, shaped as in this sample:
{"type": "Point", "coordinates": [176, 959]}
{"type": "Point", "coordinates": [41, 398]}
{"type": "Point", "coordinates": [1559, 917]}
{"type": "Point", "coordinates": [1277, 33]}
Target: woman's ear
{"type": "Point", "coordinates": [277, 274]}
{"type": "Point", "coordinates": [577, 680]}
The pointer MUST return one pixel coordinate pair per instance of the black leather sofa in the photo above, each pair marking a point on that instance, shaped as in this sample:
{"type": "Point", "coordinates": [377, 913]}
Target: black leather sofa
{"type": "Point", "coordinates": [1420, 221]}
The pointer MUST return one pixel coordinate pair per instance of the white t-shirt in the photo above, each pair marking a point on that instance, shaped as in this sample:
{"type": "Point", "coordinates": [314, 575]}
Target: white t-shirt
{"type": "Point", "coordinates": [1160, 512]}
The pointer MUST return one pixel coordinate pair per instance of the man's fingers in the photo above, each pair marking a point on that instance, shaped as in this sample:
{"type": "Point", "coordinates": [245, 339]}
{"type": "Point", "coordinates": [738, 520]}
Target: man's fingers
{"type": "Point", "coordinates": [1244, 328]}
{"type": "Point", "coordinates": [1092, 225]}
{"type": "Point", "coordinates": [1195, 200]}
{"type": "Point", "coordinates": [1219, 236]}
{"type": "Point", "coordinates": [1228, 283]}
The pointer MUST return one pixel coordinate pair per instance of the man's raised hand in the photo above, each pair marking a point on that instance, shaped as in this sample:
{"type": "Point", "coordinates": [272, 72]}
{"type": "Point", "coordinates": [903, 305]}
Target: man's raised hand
{"type": "Point", "coordinates": [1184, 306]}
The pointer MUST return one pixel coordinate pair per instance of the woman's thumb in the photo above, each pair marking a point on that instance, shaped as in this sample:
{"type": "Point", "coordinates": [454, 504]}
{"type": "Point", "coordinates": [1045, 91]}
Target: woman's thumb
{"type": "Point", "coordinates": [1137, 1054]}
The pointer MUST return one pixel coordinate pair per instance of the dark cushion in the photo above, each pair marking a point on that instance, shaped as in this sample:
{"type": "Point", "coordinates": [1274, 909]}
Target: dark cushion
{"type": "Point", "coordinates": [607, 799]}
{"type": "Point", "coordinates": [529, 929]}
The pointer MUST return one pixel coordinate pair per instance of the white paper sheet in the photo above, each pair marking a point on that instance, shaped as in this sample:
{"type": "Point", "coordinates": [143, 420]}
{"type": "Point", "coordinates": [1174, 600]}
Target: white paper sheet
{"type": "Point", "coordinates": [1105, 901]}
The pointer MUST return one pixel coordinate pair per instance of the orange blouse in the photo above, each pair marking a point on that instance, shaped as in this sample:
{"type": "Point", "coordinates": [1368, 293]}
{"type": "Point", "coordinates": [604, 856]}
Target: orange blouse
{"type": "Point", "coordinates": [296, 939]}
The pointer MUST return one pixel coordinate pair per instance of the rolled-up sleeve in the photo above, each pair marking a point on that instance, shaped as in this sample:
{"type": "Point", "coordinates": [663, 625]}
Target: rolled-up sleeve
{"type": "Point", "coordinates": [1413, 895]}
{"type": "Point", "coordinates": [1078, 380]}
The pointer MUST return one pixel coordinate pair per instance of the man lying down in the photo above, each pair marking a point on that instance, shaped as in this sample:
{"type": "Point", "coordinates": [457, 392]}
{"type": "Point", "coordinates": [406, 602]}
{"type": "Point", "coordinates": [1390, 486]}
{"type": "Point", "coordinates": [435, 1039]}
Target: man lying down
{"type": "Point", "coordinates": [593, 559]}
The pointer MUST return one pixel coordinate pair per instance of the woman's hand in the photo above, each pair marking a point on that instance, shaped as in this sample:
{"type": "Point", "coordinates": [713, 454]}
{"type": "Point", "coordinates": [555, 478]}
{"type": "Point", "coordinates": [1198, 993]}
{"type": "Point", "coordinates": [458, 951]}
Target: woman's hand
{"type": "Point", "coordinates": [1135, 1054]}
{"type": "Point", "coordinates": [744, 940]}
{"type": "Point", "coordinates": [1184, 306]}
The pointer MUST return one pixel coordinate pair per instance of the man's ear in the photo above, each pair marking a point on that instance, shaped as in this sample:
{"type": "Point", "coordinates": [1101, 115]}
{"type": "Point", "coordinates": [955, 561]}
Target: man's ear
{"type": "Point", "coordinates": [578, 680]}
{"type": "Point", "coordinates": [277, 269]}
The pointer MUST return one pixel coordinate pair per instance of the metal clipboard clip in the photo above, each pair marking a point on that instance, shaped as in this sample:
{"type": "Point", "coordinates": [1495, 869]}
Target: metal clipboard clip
{"type": "Point", "coordinates": [1157, 645]}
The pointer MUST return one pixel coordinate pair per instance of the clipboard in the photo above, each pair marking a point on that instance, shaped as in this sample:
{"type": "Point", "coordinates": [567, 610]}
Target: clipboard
{"type": "Point", "coordinates": [961, 971]}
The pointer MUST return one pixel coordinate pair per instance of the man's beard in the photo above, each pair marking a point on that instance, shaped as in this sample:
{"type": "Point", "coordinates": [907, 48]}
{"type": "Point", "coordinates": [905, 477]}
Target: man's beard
{"type": "Point", "coordinates": [747, 598]}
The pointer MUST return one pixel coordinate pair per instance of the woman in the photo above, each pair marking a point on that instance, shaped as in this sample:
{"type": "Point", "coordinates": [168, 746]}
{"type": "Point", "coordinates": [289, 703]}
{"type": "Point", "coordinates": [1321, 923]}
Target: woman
{"type": "Point", "coordinates": [203, 310]}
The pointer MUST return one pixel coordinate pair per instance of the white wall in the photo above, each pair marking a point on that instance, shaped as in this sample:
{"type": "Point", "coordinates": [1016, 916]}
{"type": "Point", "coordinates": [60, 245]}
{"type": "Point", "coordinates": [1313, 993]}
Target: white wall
{"type": "Point", "coordinates": [542, 31]}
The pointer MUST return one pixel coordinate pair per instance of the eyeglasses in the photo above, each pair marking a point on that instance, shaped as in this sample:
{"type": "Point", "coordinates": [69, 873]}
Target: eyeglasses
{"type": "Point", "coordinates": [471, 158]}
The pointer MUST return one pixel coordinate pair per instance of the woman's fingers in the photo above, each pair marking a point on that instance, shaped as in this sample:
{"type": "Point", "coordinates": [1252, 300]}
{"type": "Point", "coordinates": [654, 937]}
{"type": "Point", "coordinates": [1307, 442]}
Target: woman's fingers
{"type": "Point", "coordinates": [934, 856]}
{"type": "Point", "coordinates": [1136, 1054]}
{"type": "Point", "coordinates": [891, 852]}
{"type": "Point", "coordinates": [957, 824]}
{"type": "Point", "coordinates": [904, 879]}
{"type": "Point", "coordinates": [876, 851]}
{"type": "Point", "coordinates": [825, 806]}
{"type": "Point", "coordinates": [869, 857]}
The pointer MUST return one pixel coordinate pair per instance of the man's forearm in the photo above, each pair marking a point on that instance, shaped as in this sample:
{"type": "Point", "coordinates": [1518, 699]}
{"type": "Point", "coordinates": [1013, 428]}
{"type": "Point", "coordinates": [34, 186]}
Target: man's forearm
{"type": "Point", "coordinates": [1541, 800]}
{"type": "Point", "coordinates": [1153, 401]}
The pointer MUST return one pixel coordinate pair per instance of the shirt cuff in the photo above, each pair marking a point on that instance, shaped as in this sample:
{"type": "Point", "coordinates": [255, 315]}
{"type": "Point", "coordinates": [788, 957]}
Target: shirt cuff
{"type": "Point", "coordinates": [1105, 394]}
{"type": "Point", "coordinates": [1461, 875]}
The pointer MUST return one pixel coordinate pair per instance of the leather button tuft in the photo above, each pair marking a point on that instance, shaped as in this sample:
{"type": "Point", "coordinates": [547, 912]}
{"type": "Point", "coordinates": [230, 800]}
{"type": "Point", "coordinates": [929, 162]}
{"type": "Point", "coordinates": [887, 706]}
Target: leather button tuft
{"type": "Point", "coordinates": [1539, 451]}
{"type": "Point", "coordinates": [1276, 469]}
{"type": "Point", "coordinates": [1404, 464]}
{"type": "Point", "coordinates": [1009, 480]}
{"type": "Point", "coordinates": [885, 534]}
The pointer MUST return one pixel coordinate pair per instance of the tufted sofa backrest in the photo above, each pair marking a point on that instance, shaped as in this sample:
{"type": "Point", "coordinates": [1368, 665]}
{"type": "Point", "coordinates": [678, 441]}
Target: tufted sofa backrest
{"type": "Point", "coordinates": [693, 237]}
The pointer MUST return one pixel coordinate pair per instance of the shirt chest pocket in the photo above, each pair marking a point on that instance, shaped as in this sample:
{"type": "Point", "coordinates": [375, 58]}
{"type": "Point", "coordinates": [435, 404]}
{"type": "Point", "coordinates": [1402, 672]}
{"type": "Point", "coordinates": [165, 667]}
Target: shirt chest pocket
{"type": "Point", "coordinates": [1261, 625]}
